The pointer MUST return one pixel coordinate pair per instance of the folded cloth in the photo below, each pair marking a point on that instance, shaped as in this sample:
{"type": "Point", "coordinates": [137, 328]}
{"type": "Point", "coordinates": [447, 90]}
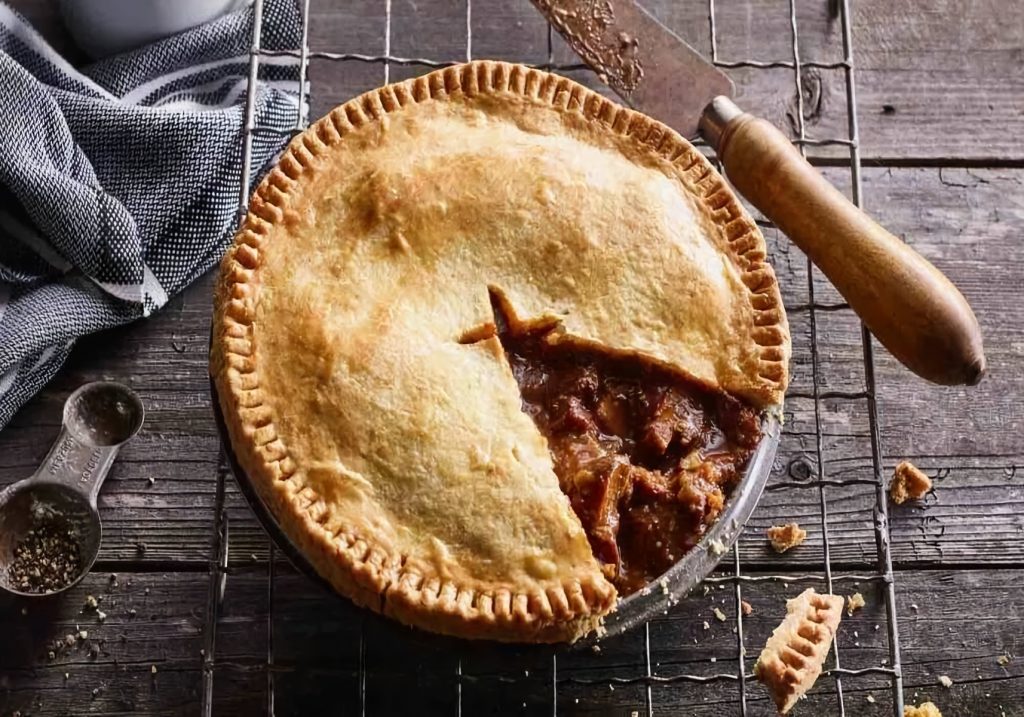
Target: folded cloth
{"type": "Point", "coordinates": [119, 182]}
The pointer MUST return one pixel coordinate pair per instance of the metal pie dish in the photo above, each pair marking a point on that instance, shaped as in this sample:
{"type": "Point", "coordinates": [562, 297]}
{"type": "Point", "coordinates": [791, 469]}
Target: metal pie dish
{"type": "Point", "coordinates": [643, 605]}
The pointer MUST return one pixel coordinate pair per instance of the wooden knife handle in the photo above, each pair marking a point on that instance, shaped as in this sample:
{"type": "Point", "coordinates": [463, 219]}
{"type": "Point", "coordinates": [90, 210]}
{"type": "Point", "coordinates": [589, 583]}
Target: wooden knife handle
{"type": "Point", "coordinates": [915, 311]}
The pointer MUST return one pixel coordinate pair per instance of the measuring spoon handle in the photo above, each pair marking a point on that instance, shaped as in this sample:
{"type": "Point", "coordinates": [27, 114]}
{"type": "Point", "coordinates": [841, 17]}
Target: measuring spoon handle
{"type": "Point", "coordinates": [77, 465]}
{"type": "Point", "coordinates": [99, 418]}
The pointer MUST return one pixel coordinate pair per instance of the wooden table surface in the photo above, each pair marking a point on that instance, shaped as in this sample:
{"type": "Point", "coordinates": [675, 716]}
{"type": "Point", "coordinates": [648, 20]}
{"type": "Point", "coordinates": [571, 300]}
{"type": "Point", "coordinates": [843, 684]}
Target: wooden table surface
{"type": "Point", "coordinates": [940, 89]}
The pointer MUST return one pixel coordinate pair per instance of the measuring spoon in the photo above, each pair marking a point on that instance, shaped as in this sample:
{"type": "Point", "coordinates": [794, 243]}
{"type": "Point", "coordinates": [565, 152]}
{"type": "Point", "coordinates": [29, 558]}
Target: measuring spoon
{"type": "Point", "coordinates": [99, 418]}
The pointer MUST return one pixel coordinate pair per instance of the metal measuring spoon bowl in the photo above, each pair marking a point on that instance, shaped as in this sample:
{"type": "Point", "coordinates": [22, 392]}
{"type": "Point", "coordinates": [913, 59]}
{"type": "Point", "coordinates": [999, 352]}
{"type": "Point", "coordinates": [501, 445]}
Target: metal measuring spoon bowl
{"type": "Point", "coordinates": [56, 506]}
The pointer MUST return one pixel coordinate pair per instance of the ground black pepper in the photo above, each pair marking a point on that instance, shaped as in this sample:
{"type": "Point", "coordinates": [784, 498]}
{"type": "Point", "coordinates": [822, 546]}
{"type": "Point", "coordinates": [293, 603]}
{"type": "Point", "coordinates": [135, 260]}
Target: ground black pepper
{"type": "Point", "coordinates": [46, 559]}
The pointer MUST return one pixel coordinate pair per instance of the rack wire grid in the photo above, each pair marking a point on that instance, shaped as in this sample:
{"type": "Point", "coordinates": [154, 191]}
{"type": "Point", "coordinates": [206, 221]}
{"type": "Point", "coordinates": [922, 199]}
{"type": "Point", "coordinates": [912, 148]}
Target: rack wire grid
{"type": "Point", "coordinates": [648, 682]}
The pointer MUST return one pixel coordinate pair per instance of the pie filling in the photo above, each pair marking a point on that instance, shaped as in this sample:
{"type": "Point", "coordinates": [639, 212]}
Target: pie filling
{"type": "Point", "coordinates": [645, 455]}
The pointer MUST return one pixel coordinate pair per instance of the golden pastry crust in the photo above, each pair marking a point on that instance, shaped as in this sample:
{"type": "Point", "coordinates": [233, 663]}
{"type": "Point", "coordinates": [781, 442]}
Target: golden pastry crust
{"type": "Point", "coordinates": [397, 457]}
{"type": "Point", "coordinates": [925, 709]}
{"type": "Point", "coordinates": [908, 483]}
{"type": "Point", "coordinates": [791, 660]}
{"type": "Point", "coordinates": [785, 537]}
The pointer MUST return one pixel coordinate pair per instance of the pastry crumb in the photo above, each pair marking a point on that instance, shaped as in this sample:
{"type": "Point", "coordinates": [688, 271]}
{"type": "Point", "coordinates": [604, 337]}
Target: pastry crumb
{"type": "Point", "coordinates": [870, 698]}
{"type": "Point", "coordinates": [716, 547]}
{"type": "Point", "coordinates": [854, 603]}
{"type": "Point", "coordinates": [925, 709]}
{"type": "Point", "coordinates": [719, 615]}
{"type": "Point", "coordinates": [908, 483]}
{"type": "Point", "coordinates": [1003, 660]}
{"type": "Point", "coordinates": [746, 607]}
{"type": "Point", "coordinates": [786, 537]}
{"type": "Point", "coordinates": [945, 681]}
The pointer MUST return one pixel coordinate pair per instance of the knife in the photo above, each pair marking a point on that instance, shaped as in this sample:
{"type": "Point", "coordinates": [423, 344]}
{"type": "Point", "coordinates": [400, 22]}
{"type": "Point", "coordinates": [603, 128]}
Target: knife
{"type": "Point", "coordinates": [908, 304]}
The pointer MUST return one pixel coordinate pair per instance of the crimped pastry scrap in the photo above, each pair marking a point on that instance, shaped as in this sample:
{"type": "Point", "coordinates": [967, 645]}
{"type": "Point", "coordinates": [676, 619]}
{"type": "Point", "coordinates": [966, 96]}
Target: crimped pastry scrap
{"type": "Point", "coordinates": [792, 658]}
{"type": "Point", "coordinates": [908, 483]}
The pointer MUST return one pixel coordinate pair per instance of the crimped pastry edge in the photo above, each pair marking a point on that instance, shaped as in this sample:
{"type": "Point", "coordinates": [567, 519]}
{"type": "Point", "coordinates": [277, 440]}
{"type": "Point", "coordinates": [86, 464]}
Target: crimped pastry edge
{"type": "Point", "coordinates": [356, 565]}
{"type": "Point", "coordinates": [792, 659]}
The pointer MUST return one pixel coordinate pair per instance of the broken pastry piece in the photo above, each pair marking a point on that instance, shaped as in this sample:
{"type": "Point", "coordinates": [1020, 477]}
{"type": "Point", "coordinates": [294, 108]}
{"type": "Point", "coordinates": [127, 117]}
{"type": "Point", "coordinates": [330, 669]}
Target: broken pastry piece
{"type": "Point", "coordinates": [908, 483]}
{"type": "Point", "coordinates": [854, 603]}
{"type": "Point", "coordinates": [792, 658]}
{"type": "Point", "coordinates": [784, 537]}
{"type": "Point", "coordinates": [925, 709]}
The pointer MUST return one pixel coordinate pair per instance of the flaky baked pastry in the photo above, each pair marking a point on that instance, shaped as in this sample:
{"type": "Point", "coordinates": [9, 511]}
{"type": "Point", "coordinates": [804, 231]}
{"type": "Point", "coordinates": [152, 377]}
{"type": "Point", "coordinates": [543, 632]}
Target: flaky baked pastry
{"type": "Point", "coordinates": [908, 483]}
{"type": "Point", "coordinates": [791, 660]}
{"type": "Point", "coordinates": [786, 537]}
{"type": "Point", "coordinates": [420, 267]}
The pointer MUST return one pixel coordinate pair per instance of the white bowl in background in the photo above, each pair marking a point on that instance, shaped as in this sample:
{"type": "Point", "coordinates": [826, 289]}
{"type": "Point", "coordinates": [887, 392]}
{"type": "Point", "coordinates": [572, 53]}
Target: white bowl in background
{"type": "Point", "coordinates": [107, 27]}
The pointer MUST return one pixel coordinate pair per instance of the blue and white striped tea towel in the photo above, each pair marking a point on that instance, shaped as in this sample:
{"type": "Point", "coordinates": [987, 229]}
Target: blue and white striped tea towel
{"type": "Point", "coordinates": [119, 182]}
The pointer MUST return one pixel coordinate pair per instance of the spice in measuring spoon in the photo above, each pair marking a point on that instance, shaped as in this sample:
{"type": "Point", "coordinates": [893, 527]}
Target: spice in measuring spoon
{"type": "Point", "coordinates": [49, 523]}
{"type": "Point", "coordinates": [46, 559]}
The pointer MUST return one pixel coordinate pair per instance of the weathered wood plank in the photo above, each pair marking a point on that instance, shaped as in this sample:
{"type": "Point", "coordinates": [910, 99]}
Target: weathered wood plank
{"type": "Point", "coordinates": [932, 86]}
{"type": "Point", "coordinates": [922, 79]}
{"type": "Point", "coordinates": [953, 623]}
{"type": "Point", "coordinates": [151, 620]}
{"type": "Point", "coordinates": [165, 361]}
{"type": "Point", "coordinates": [928, 88]}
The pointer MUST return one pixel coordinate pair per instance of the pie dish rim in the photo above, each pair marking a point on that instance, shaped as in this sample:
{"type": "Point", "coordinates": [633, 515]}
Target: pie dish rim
{"type": "Point", "coordinates": [640, 607]}
{"type": "Point", "coordinates": [352, 563]}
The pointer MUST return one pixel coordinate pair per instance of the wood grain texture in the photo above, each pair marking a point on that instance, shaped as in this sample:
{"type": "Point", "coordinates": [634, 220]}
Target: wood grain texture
{"type": "Point", "coordinates": [957, 623]}
{"type": "Point", "coordinates": [924, 71]}
{"type": "Point", "coordinates": [319, 661]}
{"type": "Point", "coordinates": [930, 89]}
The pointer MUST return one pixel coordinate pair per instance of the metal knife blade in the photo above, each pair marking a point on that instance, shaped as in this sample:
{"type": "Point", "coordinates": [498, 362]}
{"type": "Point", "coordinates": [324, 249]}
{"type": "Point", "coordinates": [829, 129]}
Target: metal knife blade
{"type": "Point", "coordinates": [651, 68]}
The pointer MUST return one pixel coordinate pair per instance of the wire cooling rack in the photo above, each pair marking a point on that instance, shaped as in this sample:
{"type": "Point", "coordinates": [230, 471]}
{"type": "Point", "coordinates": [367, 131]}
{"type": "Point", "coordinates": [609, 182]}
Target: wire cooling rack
{"type": "Point", "coordinates": [648, 682]}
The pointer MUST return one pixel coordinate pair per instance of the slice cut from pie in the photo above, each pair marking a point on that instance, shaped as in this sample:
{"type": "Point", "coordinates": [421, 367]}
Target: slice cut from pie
{"type": "Point", "coordinates": [644, 454]}
{"type": "Point", "coordinates": [493, 349]}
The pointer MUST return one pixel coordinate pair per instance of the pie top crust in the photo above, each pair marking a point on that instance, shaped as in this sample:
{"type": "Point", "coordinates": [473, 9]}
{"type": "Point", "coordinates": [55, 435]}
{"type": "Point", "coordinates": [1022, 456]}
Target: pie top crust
{"type": "Point", "coordinates": [363, 390]}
